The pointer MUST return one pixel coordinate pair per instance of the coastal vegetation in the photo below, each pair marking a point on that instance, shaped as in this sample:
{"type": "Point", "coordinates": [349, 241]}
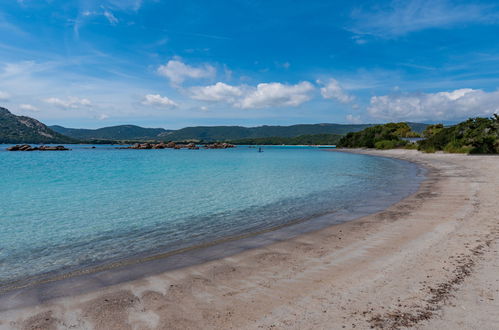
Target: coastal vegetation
{"type": "Point", "coordinates": [386, 136]}
{"type": "Point", "coordinates": [474, 136]}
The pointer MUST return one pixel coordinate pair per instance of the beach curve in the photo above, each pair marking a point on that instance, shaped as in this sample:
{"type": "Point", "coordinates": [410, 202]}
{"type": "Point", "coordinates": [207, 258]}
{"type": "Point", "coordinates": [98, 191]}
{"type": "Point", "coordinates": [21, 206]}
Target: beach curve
{"type": "Point", "coordinates": [398, 267]}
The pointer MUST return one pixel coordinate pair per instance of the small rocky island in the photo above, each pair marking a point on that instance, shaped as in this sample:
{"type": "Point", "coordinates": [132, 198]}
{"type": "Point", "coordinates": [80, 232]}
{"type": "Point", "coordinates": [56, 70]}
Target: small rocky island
{"type": "Point", "coordinates": [173, 145]}
{"type": "Point", "coordinates": [27, 147]}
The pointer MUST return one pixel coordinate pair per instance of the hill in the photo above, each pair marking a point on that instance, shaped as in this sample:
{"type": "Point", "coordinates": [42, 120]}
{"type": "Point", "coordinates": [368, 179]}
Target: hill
{"type": "Point", "coordinates": [216, 133]}
{"type": "Point", "coordinates": [121, 132]}
{"type": "Point", "coordinates": [21, 129]}
{"type": "Point", "coordinates": [212, 133]}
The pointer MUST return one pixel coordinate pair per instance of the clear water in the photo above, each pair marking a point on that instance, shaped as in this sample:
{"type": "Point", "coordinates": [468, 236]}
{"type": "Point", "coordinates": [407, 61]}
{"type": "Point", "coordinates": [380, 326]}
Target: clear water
{"type": "Point", "coordinates": [61, 211]}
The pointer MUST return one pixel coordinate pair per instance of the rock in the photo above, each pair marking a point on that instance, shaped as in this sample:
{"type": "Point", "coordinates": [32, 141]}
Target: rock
{"type": "Point", "coordinates": [218, 145]}
{"type": "Point", "coordinates": [159, 146]}
{"type": "Point", "coordinates": [51, 148]}
{"type": "Point", "coordinates": [27, 147]}
{"type": "Point", "coordinates": [170, 145]}
{"type": "Point", "coordinates": [13, 148]}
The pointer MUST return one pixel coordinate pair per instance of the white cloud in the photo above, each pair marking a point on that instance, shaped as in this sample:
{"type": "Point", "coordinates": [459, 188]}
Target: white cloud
{"type": "Point", "coordinates": [333, 90]}
{"type": "Point", "coordinates": [353, 119]}
{"type": "Point", "coordinates": [102, 116]}
{"type": "Point", "coordinates": [277, 94]}
{"type": "Point", "coordinates": [158, 100]}
{"type": "Point", "coordinates": [402, 17]}
{"type": "Point", "coordinates": [110, 17]}
{"type": "Point", "coordinates": [69, 103]}
{"type": "Point", "coordinates": [4, 96]}
{"type": "Point", "coordinates": [177, 71]}
{"type": "Point", "coordinates": [457, 104]}
{"type": "Point", "coordinates": [262, 96]}
{"type": "Point", "coordinates": [28, 107]}
{"type": "Point", "coordinates": [217, 92]}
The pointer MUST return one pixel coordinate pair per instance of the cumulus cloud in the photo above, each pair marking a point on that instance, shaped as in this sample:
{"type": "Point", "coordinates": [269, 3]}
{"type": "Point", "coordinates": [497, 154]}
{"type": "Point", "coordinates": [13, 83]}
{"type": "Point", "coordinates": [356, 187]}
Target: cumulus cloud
{"type": "Point", "coordinates": [457, 104]}
{"type": "Point", "coordinates": [158, 100]}
{"type": "Point", "coordinates": [219, 92]}
{"type": "Point", "coordinates": [277, 94]}
{"type": "Point", "coordinates": [262, 96]}
{"type": "Point", "coordinates": [333, 90]}
{"type": "Point", "coordinates": [28, 107]}
{"type": "Point", "coordinates": [177, 71]}
{"type": "Point", "coordinates": [69, 103]}
{"type": "Point", "coordinates": [4, 96]}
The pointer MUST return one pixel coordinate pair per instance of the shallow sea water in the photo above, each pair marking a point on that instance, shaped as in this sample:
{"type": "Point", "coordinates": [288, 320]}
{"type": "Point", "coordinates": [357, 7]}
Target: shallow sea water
{"type": "Point", "coordinates": [63, 211]}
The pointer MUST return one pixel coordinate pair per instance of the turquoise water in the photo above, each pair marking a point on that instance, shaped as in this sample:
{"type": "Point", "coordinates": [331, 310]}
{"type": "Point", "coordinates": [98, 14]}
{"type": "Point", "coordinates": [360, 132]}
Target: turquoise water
{"type": "Point", "coordinates": [62, 211]}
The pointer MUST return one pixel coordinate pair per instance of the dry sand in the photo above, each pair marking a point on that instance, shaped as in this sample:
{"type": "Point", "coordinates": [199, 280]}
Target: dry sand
{"type": "Point", "coordinates": [430, 261]}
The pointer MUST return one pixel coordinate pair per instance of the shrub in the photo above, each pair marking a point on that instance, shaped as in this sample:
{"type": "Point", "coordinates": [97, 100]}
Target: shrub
{"type": "Point", "coordinates": [475, 135]}
{"type": "Point", "coordinates": [380, 136]}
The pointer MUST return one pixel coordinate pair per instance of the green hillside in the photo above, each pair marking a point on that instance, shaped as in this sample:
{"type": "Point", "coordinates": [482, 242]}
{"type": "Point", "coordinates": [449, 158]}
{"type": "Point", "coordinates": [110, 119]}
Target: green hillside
{"type": "Point", "coordinates": [21, 129]}
{"type": "Point", "coordinates": [211, 133]}
{"type": "Point", "coordinates": [218, 133]}
{"type": "Point", "coordinates": [122, 132]}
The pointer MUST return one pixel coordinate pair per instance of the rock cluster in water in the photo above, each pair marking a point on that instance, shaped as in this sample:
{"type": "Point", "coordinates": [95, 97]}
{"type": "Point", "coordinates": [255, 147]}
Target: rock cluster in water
{"type": "Point", "coordinates": [173, 145]}
{"type": "Point", "coordinates": [27, 147]}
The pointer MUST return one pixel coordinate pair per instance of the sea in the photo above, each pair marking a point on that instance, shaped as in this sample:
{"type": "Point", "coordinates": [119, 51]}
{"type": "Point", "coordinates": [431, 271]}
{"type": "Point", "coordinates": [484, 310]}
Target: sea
{"type": "Point", "coordinates": [62, 211]}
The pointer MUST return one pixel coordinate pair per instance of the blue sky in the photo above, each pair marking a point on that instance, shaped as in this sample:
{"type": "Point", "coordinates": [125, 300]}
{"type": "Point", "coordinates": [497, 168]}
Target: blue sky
{"type": "Point", "coordinates": [174, 63]}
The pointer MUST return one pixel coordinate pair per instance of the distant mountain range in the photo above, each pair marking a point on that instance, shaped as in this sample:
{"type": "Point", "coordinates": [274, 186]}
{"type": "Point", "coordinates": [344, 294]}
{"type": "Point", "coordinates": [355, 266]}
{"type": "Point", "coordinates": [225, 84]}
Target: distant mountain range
{"type": "Point", "coordinates": [121, 132]}
{"type": "Point", "coordinates": [21, 129]}
{"type": "Point", "coordinates": [212, 133]}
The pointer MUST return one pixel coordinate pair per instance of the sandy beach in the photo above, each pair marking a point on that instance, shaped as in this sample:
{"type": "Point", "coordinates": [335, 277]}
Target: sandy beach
{"type": "Point", "coordinates": [430, 261]}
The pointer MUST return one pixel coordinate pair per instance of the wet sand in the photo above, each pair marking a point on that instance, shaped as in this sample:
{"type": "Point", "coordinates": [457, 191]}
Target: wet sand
{"type": "Point", "coordinates": [430, 261]}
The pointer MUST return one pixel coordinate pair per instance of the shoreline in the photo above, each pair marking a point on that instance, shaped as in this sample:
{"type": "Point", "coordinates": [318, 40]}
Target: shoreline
{"type": "Point", "coordinates": [44, 287]}
{"type": "Point", "coordinates": [398, 267]}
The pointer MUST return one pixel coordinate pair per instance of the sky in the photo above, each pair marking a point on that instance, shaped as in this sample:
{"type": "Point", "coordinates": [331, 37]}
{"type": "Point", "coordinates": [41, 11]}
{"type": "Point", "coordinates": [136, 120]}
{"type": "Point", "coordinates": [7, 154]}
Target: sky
{"type": "Point", "coordinates": [171, 64]}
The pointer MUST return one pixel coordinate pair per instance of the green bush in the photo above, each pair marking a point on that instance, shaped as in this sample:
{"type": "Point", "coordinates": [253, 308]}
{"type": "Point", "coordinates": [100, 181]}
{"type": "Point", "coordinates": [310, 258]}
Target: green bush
{"type": "Point", "coordinates": [411, 146]}
{"type": "Point", "coordinates": [455, 147]}
{"type": "Point", "coordinates": [385, 136]}
{"type": "Point", "coordinates": [387, 144]}
{"type": "Point", "coordinates": [474, 136]}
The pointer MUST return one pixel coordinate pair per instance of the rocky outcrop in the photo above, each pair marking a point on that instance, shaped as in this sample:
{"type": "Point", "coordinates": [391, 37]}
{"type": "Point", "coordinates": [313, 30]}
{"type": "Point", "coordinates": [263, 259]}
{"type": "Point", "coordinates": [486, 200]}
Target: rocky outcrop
{"type": "Point", "coordinates": [161, 145]}
{"type": "Point", "coordinates": [21, 129]}
{"type": "Point", "coordinates": [27, 147]}
{"type": "Point", "coordinates": [219, 145]}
